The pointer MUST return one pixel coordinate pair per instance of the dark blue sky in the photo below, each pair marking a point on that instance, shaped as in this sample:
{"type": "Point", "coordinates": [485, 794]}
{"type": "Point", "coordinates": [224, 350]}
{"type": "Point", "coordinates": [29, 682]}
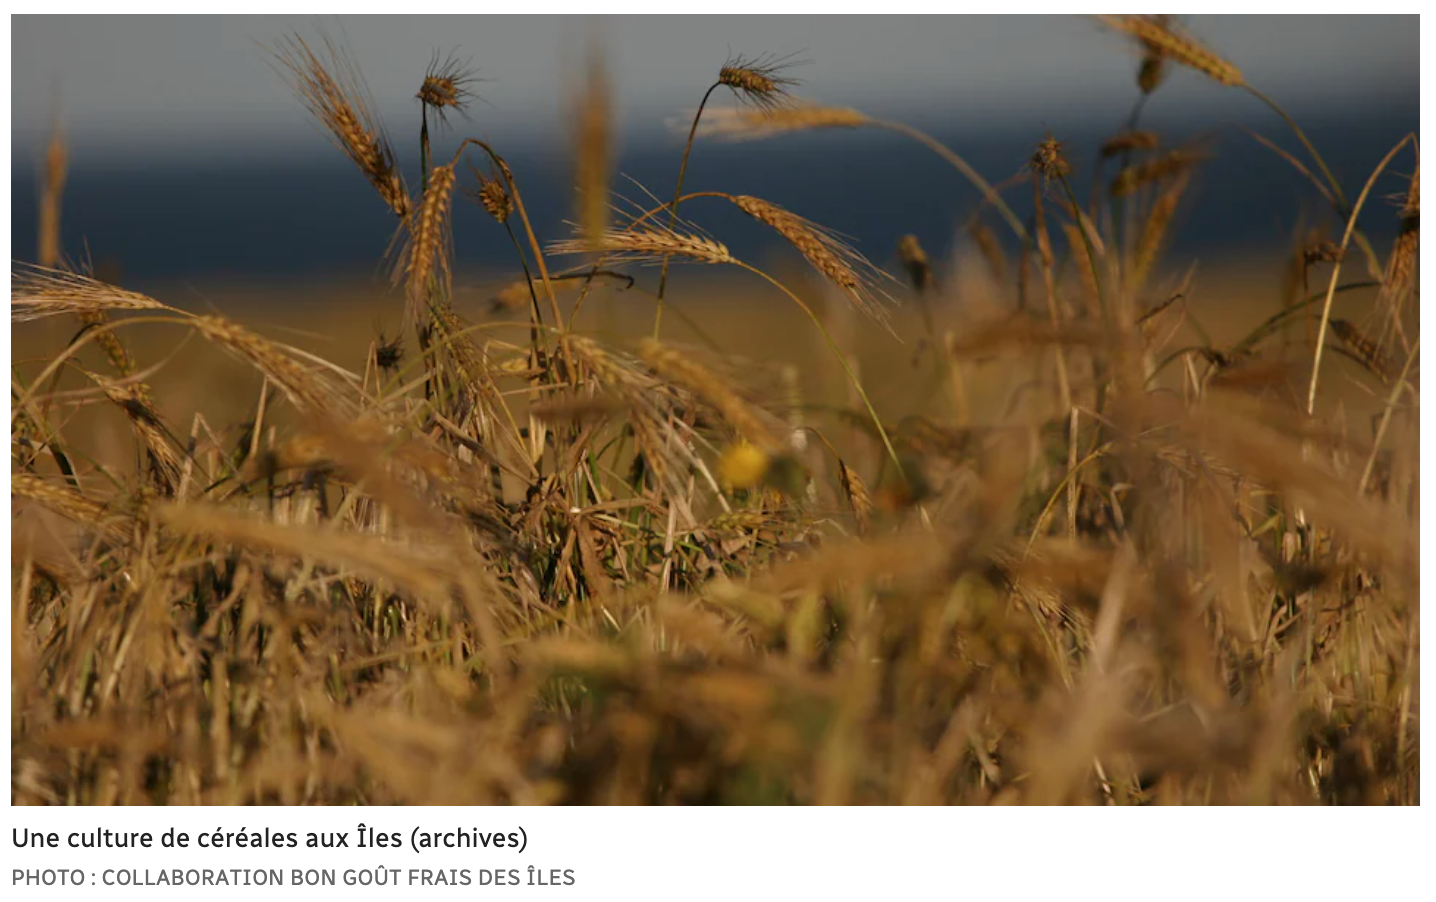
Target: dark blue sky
{"type": "Point", "coordinates": [190, 158]}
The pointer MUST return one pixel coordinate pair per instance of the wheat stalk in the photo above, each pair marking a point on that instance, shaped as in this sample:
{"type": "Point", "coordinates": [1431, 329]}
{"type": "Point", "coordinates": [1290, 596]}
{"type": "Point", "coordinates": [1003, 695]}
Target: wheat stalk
{"type": "Point", "coordinates": [1127, 142]}
{"type": "Point", "coordinates": [1363, 348]}
{"type": "Point", "coordinates": [915, 260]}
{"type": "Point", "coordinates": [305, 387]}
{"type": "Point", "coordinates": [592, 111]}
{"type": "Point", "coordinates": [647, 244]}
{"type": "Point", "coordinates": [759, 80]}
{"type": "Point", "coordinates": [1154, 230]}
{"type": "Point", "coordinates": [830, 256]}
{"type": "Point", "coordinates": [856, 492]}
{"type": "Point", "coordinates": [495, 199]}
{"type": "Point", "coordinates": [705, 384]}
{"type": "Point", "coordinates": [37, 292]}
{"type": "Point", "coordinates": [1134, 177]}
{"type": "Point", "coordinates": [68, 503]}
{"type": "Point", "coordinates": [446, 86]}
{"type": "Point", "coordinates": [332, 90]}
{"type": "Point", "coordinates": [1400, 274]}
{"type": "Point", "coordinates": [743, 124]}
{"type": "Point", "coordinates": [428, 255]}
{"type": "Point", "coordinates": [1162, 39]}
{"type": "Point", "coordinates": [166, 464]}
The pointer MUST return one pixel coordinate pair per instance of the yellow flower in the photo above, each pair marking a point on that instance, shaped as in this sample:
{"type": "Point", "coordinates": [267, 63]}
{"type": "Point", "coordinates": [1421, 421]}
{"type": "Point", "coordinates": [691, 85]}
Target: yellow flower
{"type": "Point", "coordinates": [743, 466]}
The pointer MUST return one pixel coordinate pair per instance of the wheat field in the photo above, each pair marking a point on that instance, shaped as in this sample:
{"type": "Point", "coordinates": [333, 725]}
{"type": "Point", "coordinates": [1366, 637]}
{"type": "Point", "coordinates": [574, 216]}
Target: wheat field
{"type": "Point", "coordinates": [1065, 542]}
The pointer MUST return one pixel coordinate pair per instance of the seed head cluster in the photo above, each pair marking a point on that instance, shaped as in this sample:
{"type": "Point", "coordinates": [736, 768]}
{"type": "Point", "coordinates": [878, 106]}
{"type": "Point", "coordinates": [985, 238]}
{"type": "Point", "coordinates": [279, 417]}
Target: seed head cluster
{"type": "Point", "coordinates": [492, 196]}
{"type": "Point", "coordinates": [760, 80]}
{"type": "Point", "coordinates": [446, 86]}
{"type": "Point", "coordinates": [1048, 160]}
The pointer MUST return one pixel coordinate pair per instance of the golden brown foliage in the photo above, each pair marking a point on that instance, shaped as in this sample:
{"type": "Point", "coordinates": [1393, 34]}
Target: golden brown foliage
{"type": "Point", "coordinates": [559, 569]}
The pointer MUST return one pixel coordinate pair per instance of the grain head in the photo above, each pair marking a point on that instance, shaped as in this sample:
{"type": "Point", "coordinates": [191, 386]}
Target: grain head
{"type": "Point", "coordinates": [824, 251]}
{"type": "Point", "coordinates": [1049, 161]}
{"type": "Point", "coordinates": [1161, 39]}
{"type": "Point", "coordinates": [430, 240]}
{"type": "Point", "coordinates": [447, 86]}
{"type": "Point", "coordinates": [914, 259]}
{"type": "Point", "coordinates": [491, 195]}
{"type": "Point", "coordinates": [647, 243]}
{"type": "Point", "coordinates": [759, 80]}
{"type": "Point", "coordinates": [743, 124]}
{"type": "Point", "coordinates": [1128, 142]}
{"type": "Point", "coordinates": [328, 83]}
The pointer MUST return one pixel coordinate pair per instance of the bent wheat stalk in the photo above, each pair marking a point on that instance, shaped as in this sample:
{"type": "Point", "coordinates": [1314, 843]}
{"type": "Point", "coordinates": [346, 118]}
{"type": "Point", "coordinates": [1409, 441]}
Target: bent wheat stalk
{"type": "Point", "coordinates": [758, 80]}
{"type": "Point", "coordinates": [1336, 270]}
{"type": "Point", "coordinates": [758, 124]}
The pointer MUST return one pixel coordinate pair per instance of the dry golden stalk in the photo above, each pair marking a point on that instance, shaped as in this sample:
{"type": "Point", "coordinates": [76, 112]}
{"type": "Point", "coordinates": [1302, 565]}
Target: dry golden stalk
{"type": "Point", "coordinates": [306, 387]}
{"type": "Point", "coordinates": [1167, 165]}
{"type": "Point", "coordinates": [37, 292]}
{"type": "Point", "coordinates": [600, 362]}
{"type": "Point", "coordinates": [1401, 267]}
{"type": "Point", "coordinates": [578, 410]}
{"type": "Point", "coordinates": [446, 86]}
{"type": "Point", "coordinates": [1128, 141]}
{"type": "Point", "coordinates": [763, 123]}
{"type": "Point", "coordinates": [641, 394]}
{"type": "Point", "coordinates": [704, 383]}
{"type": "Point", "coordinates": [51, 192]}
{"type": "Point", "coordinates": [429, 239]}
{"type": "Point", "coordinates": [759, 81]}
{"type": "Point", "coordinates": [1363, 348]}
{"type": "Point", "coordinates": [1154, 230]}
{"type": "Point", "coordinates": [1412, 207]}
{"type": "Point", "coordinates": [856, 492]}
{"type": "Point", "coordinates": [592, 113]}
{"type": "Point", "coordinates": [649, 243]}
{"type": "Point", "coordinates": [915, 261]}
{"type": "Point", "coordinates": [66, 502]}
{"type": "Point", "coordinates": [426, 569]}
{"type": "Point", "coordinates": [739, 521]}
{"type": "Point", "coordinates": [332, 90]}
{"type": "Point", "coordinates": [841, 264]}
{"type": "Point", "coordinates": [166, 464]}
{"type": "Point", "coordinates": [991, 250]}
{"type": "Point", "coordinates": [1162, 39]}
{"type": "Point", "coordinates": [110, 343]}
{"type": "Point", "coordinates": [1400, 274]}
{"type": "Point", "coordinates": [467, 358]}
{"type": "Point", "coordinates": [1083, 263]}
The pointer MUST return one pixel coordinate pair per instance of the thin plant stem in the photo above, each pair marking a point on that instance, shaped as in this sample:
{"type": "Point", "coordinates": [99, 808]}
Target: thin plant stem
{"type": "Point", "coordinates": [533, 295]}
{"type": "Point", "coordinates": [842, 360]}
{"type": "Point", "coordinates": [513, 188]}
{"type": "Point", "coordinates": [1049, 284]}
{"type": "Point", "coordinates": [989, 194]}
{"type": "Point", "coordinates": [1343, 209]}
{"type": "Point", "coordinates": [1386, 417]}
{"type": "Point", "coordinates": [677, 198]}
{"type": "Point", "coordinates": [423, 149]}
{"type": "Point", "coordinates": [1305, 142]}
{"type": "Point", "coordinates": [1336, 271]}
